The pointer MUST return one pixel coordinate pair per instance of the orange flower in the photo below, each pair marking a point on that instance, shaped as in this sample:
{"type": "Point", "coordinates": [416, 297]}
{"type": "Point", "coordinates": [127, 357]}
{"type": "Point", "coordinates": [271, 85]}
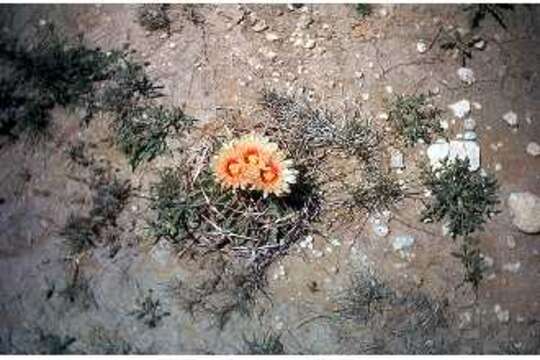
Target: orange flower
{"type": "Point", "coordinates": [254, 162]}
{"type": "Point", "coordinates": [230, 168]}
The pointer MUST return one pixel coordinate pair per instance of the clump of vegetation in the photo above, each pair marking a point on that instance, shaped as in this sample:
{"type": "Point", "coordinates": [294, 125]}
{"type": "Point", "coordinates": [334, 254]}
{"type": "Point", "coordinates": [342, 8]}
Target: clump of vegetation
{"type": "Point", "coordinates": [462, 198]}
{"type": "Point", "coordinates": [267, 344]}
{"type": "Point", "coordinates": [414, 118]}
{"type": "Point", "coordinates": [473, 262]}
{"type": "Point", "coordinates": [53, 344]}
{"type": "Point", "coordinates": [76, 153]}
{"type": "Point", "coordinates": [365, 295]}
{"type": "Point", "coordinates": [377, 192]}
{"type": "Point", "coordinates": [464, 44]}
{"type": "Point", "coordinates": [359, 138]}
{"type": "Point", "coordinates": [142, 131]}
{"type": "Point", "coordinates": [363, 10]}
{"type": "Point", "coordinates": [149, 310]}
{"type": "Point", "coordinates": [478, 13]}
{"type": "Point", "coordinates": [105, 342]}
{"type": "Point", "coordinates": [154, 17]}
{"type": "Point", "coordinates": [82, 233]}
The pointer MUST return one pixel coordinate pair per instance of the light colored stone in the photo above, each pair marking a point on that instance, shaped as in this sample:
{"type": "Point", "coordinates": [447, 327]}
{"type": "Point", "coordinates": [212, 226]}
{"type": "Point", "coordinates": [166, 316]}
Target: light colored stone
{"type": "Point", "coordinates": [533, 149]}
{"type": "Point", "coordinates": [502, 315]}
{"type": "Point", "coordinates": [444, 124]}
{"type": "Point", "coordinates": [463, 149]}
{"type": "Point", "coordinates": [469, 124]}
{"type": "Point", "coordinates": [365, 96]}
{"type": "Point", "coordinates": [309, 44]}
{"type": "Point", "coordinates": [403, 244]}
{"type": "Point", "coordinates": [498, 167]}
{"type": "Point", "coordinates": [461, 109]}
{"type": "Point", "coordinates": [469, 135]}
{"type": "Point", "coordinates": [307, 243]}
{"type": "Point", "coordinates": [438, 151]}
{"type": "Point", "coordinates": [396, 160]}
{"type": "Point", "coordinates": [465, 320]}
{"type": "Point", "coordinates": [511, 118]}
{"type": "Point", "coordinates": [272, 37]}
{"type": "Point", "coordinates": [525, 209]}
{"type": "Point", "coordinates": [304, 22]}
{"type": "Point", "coordinates": [421, 47]}
{"type": "Point", "coordinates": [466, 75]}
{"type": "Point", "coordinates": [259, 26]}
{"type": "Point", "coordinates": [512, 267]}
{"type": "Point", "coordinates": [510, 242]}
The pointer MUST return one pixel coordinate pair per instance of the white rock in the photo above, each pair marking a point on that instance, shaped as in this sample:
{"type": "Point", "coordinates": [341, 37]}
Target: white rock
{"type": "Point", "coordinates": [465, 319]}
{"type": "Point", "coordinates": [533, 149]}
{"type": "Point", "coordinates": [259, 26]}
{"type": "Point", "coordinates": [525, 209]}
{"type": "Point", "coordinates": [396, 160]}
{"type": "Point", "coordinates": [466, 149]}
{"type": "Point", "coordinates": [502, 315]}
{"type": "Point", "coordinates": [512, 267]}
{"type": "Point", "coordinates": [383, 116]}
{"type": "Point", "coordinates": [511, 118]}
{"type": "Point", "coordinates": [380, 228]}
{"type": "Point", "coordinates": [421, 47]}
{"type": "Point", "coordinates": [466, 75]}
{"type": "Point", "coordinates": [272, 37]}
{"type": "Point", "coordinates": [438, 151]}
{"type": "Point", "coordinates": [477, 105]}
{"type": "Point", "coordinates": [469, 124]}
{"type": "Point", "coordinates": [403, 244]}
{"type": "Point", "coordinates": [469, 135]}
{"type": "Point", "coordinates": [488, 261]}
{"type": "Point", "coordinates": [498, 167]}
{"type": "Point", "coordinates": [309, 44]}
{"type": "Point", "coordinates": [307, 243]}
{"type": "Point", "coordinates": [444, 124]}
{"type": "Point", "coordinates": [480, 44]}
{"type": "Point", "coordinates": [389, 89]}
{"type": "Point", "coordinates": [510, 242]}
{"type": "Point", "coordinates": [461, 108]}
{"type": "Point", "coordinates": [365, 96]}
{"type": "Point", "coordinates": [304, 22]}
{"type": "Point", "coordinates": [359, 74]}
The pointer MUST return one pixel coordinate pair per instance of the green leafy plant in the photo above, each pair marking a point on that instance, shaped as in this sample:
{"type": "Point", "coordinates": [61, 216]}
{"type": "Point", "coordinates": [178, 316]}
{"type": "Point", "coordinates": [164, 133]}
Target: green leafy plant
{"type": "Point", "coordinates": [463, 199]}
{"type": "Point", "coordinates": [79, 233]}
{"type": "Point", "coordinates": [414, 118]}
{"type": "Point", "coordinates": [142, 131]}
{"type": "Point", "coordinates": [363, 10]}
{"type": "Point", "coordinates": [149, 310]}
{"type": "Point", "coordinates": [267, 344]}
{"type": "Point", "coordinates": [358, 137]}
{"type": "Point", "coordinates": [465, 44]}
{"type": "Point", "coordinates": [377, 192]}
{"type": "Point", "coordinates": [472, 261]}
{"type": "Point", "coordinates": [154, 17]}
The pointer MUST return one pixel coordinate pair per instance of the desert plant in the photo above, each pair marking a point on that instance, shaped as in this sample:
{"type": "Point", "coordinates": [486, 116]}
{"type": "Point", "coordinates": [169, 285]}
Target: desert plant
{"type": "Point", "coordinates": [267, 344]}
{"type": "Point", "coordinates": [378, 191]}
{"type": "Point", "coordinates": [472, 261]}
{"type": "Point", "coordinates": [54, 344]}
{"type": "Point", "coordinates": [154, 17]}
{"type": "Point", "coordinates": [79, 233]}
{"type": "Point", "coordinates": [149, 310]}
{"type": "Point", "coordinates": [478, 13]}
{"type": "Point", "coordinates": [364, 295]}
{"type": "Point", "coordinates": [465, 44]}
{"type": "Point", "coordinates": [363, 10]}
{"type": "Point", "coordinates": [414, 118]}
{"type": "Point", "coordinates": [141, 132]}
{"type": "Point", "coordinates": [358, 137]}
{"type": "Point", "coordinates": [462, 198]}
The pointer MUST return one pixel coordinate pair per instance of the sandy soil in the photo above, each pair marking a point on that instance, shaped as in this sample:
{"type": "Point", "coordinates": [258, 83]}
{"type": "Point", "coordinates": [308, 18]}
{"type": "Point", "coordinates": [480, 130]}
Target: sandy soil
{"type": "Point", "coordinates": [222, 63]}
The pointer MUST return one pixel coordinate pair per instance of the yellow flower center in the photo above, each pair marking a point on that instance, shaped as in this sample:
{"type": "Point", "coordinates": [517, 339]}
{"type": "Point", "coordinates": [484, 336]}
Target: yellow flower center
{"type": "Point", "coordinates": [253, 159]}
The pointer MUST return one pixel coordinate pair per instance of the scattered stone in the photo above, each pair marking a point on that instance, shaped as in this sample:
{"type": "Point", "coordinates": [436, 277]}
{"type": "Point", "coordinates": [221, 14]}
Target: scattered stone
{"type": "Point", "coordinates": [380, 227]}
{"type": "Point", "coordinates": [272, 37]}
{"type": "Point", "coordinates": [309, 44]}
{"type": "Point", "coordinates": [488, 261]}
{"type": "Point", "coordinates": [470, 136]}
{"type": "Point", "coordinates": [480, 44]}
{"type": "Point", "coordinates": [304, 22]}
{"type": "Point", "coordinates": [466, 75]}
{"type": "Point", "coordinates": [463, 149]}
{"type": "Point", "coordinates": [317, 253]}
{"type": "Point", "coordinates": [512, 267]}
{"type": "Point", "coordinates": [359, 74]}
{"type": "Point", "coordinates": [42, 22]}
{"type": "Point", "coordinates": [511, 118]}
{"type": "Point", "coordinates": [172, 45]}
{"type": "Point", "coordinates": [259, 26]}
{"type": "Point", "coordinates": [533, 149]}
{"type": "Point", "coordinates": [438, 151]}
{"type": "Point", "coordinates": [525, 208]}
{"type": "Point", "coordinates": [502, 315]}
{"type": "Point", "coordinates": [421, 46]}
{"type": "Point", "coordinates": [365, 96]}
{"type": "Point", "coordinates": [510, 242]}
{"type": "Point", "coordinates": [444, 124]}
{"type": "Point", "coordinates": [307, 243]}
{"type": "Point", "coordinates": [403, 244]}
{"type": "Point", "coordinates": [465, 320]}
{"type": "Point", "coordinates": [469, 124]}
{"type": "Point", "coordinates": [396, 160]}
{"type": "Point", "coordinates": [461, 108]}
{"type": "Point", "coordinates": [389, 89]}
{"type": "Point", "coordinates": [384, 116]}
{"type": "Point", "coordinates": [498, 167]}
{"type": "Point", "coordinates": [477, 105]}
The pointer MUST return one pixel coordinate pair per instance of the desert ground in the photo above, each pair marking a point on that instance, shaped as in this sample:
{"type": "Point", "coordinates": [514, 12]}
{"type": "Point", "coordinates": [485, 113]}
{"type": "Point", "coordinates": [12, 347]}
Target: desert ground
{"type": "Point", "coordinates": [352, 278]}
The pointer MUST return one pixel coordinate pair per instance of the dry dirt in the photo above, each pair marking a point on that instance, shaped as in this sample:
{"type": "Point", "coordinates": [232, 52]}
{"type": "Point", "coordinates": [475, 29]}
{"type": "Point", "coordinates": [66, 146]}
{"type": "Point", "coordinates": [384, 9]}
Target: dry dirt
{"type": "Point", "coordinates": [223, 64]}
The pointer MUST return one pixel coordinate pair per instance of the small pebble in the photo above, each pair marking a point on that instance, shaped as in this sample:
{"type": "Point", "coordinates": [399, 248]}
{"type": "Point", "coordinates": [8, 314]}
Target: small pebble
{"type": "Point", "coordinates": [421, 47]}
{"type": "Point", "coordinates": [533, 149]}
{"type": "Point", "coordinates": [511, 118]}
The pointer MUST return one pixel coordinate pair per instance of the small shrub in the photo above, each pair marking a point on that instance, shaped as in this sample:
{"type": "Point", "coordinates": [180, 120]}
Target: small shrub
{"type": "Point", "coordinates": [267, 344]}
{"type": "Point", "coordinates": [472, 261]}
{"type": "Point", "coordinates": [142, 131]}
{"type": "Point", "coordinates": [478, 13]}
{"type": "Point", "coordinates": [414, 119]}
{"type": "Point", "coordinates": [462, 198]}
{"type": "Point", "coordinates": [464, 44]}
{"type": "Point", "coordinates": [363, 10]}
{"type": "Point", "coordinates": [149, 310]}
{"type": "Point", "coordinates": [378, 192]}
{"type": "Point", "coordinates": [80, 234]}
{"type": "Point", "coordinates": [359, 138]}
{"type": "Point", "coordinates": [109, 199]}
{"type": "Point", "coordinates": [53, 344]}
{"type": "Point", "coordinates": [154, 17]}
{"type": "Point", "coordinates": [364, 295]}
